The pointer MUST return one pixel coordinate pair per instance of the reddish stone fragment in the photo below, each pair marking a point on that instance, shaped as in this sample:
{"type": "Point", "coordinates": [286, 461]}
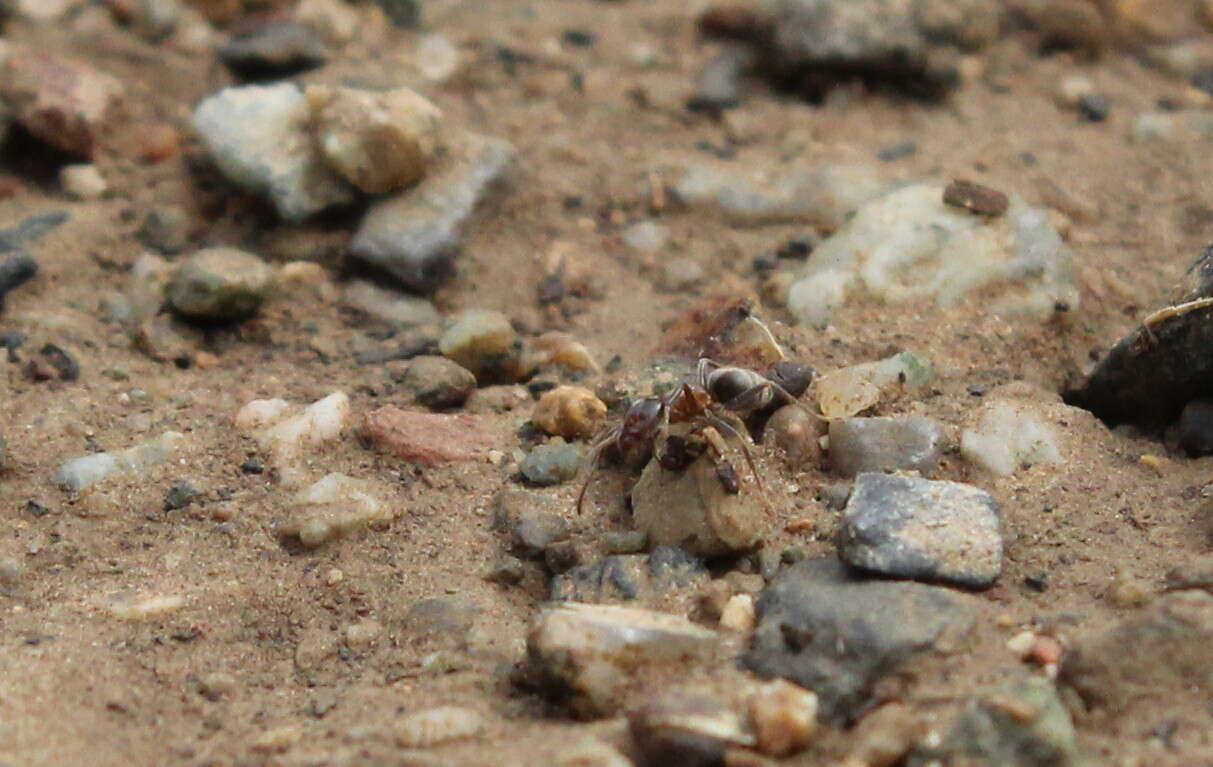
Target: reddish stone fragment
{"type": "Point", "coordinates": [156, 142]}
{"type": "Point", "coordinates": [60, 102]}
{"type": "Point", "coordinates": [428, 437]}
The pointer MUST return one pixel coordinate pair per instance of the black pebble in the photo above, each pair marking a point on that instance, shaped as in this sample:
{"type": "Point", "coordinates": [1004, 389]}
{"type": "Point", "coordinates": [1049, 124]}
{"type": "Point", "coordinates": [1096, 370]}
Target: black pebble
{"type": "Point", "coordinates": [180, 494]}
{"type": "Point", "coordinates": [1094, 108]}
{"type": "Point", "coordinates": [579, 37]}
{"type": "Point", "coordinates": [1196, 428]}
{"type": "Point", "coordinates": [253, 466]}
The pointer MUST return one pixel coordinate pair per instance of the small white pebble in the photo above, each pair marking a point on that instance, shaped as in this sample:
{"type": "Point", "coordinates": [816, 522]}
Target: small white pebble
{"type": "Point", "coordinates": [434, 726]}
{"type": "Point", "coordinates": [358, 635]}
{"type": "Point", "coordinates": [739, 614]}
{"type": "Point", "coordinates": [1021, 643]}
{"type": "Point", "coordinates": [84, 182]}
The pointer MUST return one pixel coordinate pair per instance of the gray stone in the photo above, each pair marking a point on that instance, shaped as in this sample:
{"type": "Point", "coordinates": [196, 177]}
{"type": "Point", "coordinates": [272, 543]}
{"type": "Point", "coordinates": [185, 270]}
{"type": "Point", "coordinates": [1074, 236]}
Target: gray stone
{"type": "Point", "coordinates": [402, 13]}
{"type": "Point", "coordinates": [180, 494]}
{"type": "Point", "coordinates": [692, 509]}
{"type": "Point", "coordinates": [719, 84]}
{"type": "Point", "coordinates": [507, 570]}
{"type": "Point", "coordinates": [643, 578]}
{"type": "Point", "coordinates": [1022, 724]}
{"type": "Point", "coordinates": [259, 138]}
{"type": "Point", "coordinates": [835, 633]}
{"type": "Point", "coordinates": [533, 531]}
{"type": "Point", "coordinates": [922, 529]}
{"type": "Point", "coordinates": [885, 444]}
{"type": "Point", "coordinates": [548, 465]}
{"type": "Point", "coordinates": [276, 49]}
{"type": "Point", "coordinates": [593, 656]}
{"type": "Point", "coordinates": [437, 383]}
{"type": "Point", "coordinates": [166, 229]}
{"type": "Point", "coordinates": [397, 309]}
{"type": "Point", "coordinates": [1196, 427]}
{"type": "Point", "coordinates": [219, 285]}
{"type": "Point", "coordinates": [414, 235]}
{"type": "Point", "coordinates": [1159, 658]}
{"type": "Point", "coordinates": [440, 621]}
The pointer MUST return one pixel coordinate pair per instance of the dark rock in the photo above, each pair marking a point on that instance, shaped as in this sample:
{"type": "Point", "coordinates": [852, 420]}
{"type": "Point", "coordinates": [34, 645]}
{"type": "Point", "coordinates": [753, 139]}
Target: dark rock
{"type": "Point", "coordinates": [579, 38]}
{"type": "Point", "coordinates": [633, 577]}
{"type": "Point", "coordinates": [533, 531]}
{"type": "Point", "coordinates": [31, 229]}
{"type": "Point", "coordinates": [53, 362]}
{"type": "Point", "coordinates": [562, 556]}
{"type": "Point", "coordinates": [975, 198]}
{"type": "Point", "coordinates": [414, 235]}
{"type": "Point", "coordinates": [860, 445]}
{"type": "Point", "coordinates": [402, 13]}
{"type": "Point", "coordinates": [507, 571]}
{"type": "Point", "coordinates": [1196, 428]}
{"type": "Point", "coordinates": [1094, 108]}
{"type": "Point", "coordinates": [438, 383]}
{"type": "Point", "coordinates": [274, 50]}
{"type": "Point", "coordinates": [907, 527]}
{"type": "Point", "coordinates": [1203, 79]}
{"type": "Point", "coordinates": [15, 271]}
{"type": "Point", "coordinates": [719, 84]}
{"type": "Point", "coordinates": [440, 621]}
{"type": "Point", "coordinates": [1023, 724]}
{"type": "Point", "coordinates": [1157, 660]}
{"type": "Point", "coordinates": [898, 151]}
{"type": "Point", "coordinates": [837, 634]}
{"type": "Point", "coordinates": [253, 466]}
{"type": "Point", "coordinates": [11, 340]}
{"type": "Point", "coordinates": [180, 494]}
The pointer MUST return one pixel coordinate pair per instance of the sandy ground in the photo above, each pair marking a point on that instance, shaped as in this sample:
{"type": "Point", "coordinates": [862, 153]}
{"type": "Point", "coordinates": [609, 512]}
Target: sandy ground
{"type": "Point", "coordinates": [78, 686]}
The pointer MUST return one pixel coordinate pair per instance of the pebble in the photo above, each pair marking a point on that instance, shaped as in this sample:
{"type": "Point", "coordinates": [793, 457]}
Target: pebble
{"type": "Point", "coordinates": [219, 285]}
{"type": "Point", "coordinates": [485, 343]}
{"type": "Point", "coordinates": [548, 465]}
{"type": "Point", "coordinates": [1154, 659]}
{"type": "Point", "coordinates": [885, 736]}
{"type": "Point", "coordinates": [844, 393]}
{"type": "Point", "coordinates": [897, 151]}
{"type": "Point", "coordinates": [279, 429]}
{"type": "Point", "coordinates": [859, 445]}
{"type": "Point", "coordinates": [332, 19]}
{"type": "Point", "coordinates": [1153, 126]}
{"type": "Point", "coordinates": [217, 685]}
{"type": "Point", "coordinates": [274, 50]}
{"type": "Point", "coordinates": [679, 728]}
{"type": "Point", "coordinates": [822, 196]}
{"type": "Point", "coordinates": [1093, 107]}
{"type": "Point", "coordinates": [259, 137]}
{"type": "Point", "coordinates": [428, 437]}
{"type": "Point", "coordinates": [402, 13]}
{"type": "Point", "coordinates": [506, 571]}
{"type": "Point", "coordinates": [1071, 90]}
{"type": "Point", "coordinates": [783, 716]}
{"type": "Point", "coordinates": [61, 102]}
{"type": "Point", "coordinates": [435, 726]}
{"type": "Point", "coordinates": [137, 607]}
{"type": "Point", "coordinates": [592, 657]}
{"type": "Point", "coordinates": [437, 58]}
{"type": "Point", "coordinates": [378, 141]}
{"type": "Point", "coordinates": [834, 633]}
{"type": "Point", "coordinates": [561, 350]}
{"type": "Point", "coordinates": [909, 245]}
{"type": "Point", "coordinates": [681, 273]}
{"type": "Point", "coordinates": [647, 236]}
{"type": "Point", "coordinates": [975, 198]}
{"type": "Point", "coordinates": [180, 494]}
{"type": "Point", "coordinates": [333, 506]}
{"type": "Point", "coordinates": [166, 228]}
{"type": "Point", "coordinates": [81, 473]}
{"type": "Point", "coordinates": [15, 271]}
{"type": "Point", "coordinates": [414, 235]}
{"type": "Point", "coordinates": [397, 309]}
{"type": "Point", "coordinates": [531, 530]}
{"type": "Point", "coordinates": [1021, 724]}
{"type": "Point", "coordinates": [437, 383]}
{"type": "Point", "coordinates": [1196, 428]}
{"type": "Point", "coordinates": [738, 614]}
{"type": "Point", "coordinates": [718, 86]}
{"type": "Point", "coordinates": [906, 527]}
{"type": "Point", "coordinates": [83, 182]}
{"type": "Point", "coordinates": [572, 412]}
{"type": "Point", "coordinates": [650, 580]}
{"type": "Point", "coordinates": [53, 362]}
{"type": "Point", "coordinates": [691, 509]}
{"type": "Point", "coordinates": [1008, 437]}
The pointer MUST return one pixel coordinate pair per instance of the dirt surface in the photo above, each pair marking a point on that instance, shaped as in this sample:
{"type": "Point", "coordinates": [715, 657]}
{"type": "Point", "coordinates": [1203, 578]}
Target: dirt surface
{"type": "Point", "coordinates": [79, 686]}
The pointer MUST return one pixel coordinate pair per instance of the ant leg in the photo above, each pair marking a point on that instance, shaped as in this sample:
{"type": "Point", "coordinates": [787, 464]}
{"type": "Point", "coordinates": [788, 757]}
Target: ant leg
{"type": "Point", "coordinates": [720, 423]}
{"type": "Point", "coordinates": [591, 463]}
{"type": "Point", "coordinates": [703, 370]}
{"type": "Point", "coordinates": [752, 398]}
{"type": "Point", "coordinates": [724, 468]}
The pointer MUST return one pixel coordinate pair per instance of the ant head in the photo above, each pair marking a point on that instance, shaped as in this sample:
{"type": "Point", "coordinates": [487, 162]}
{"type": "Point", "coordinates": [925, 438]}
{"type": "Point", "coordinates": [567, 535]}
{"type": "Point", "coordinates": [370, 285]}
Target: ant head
{"type": "Point", "coordinates": [640, 423]}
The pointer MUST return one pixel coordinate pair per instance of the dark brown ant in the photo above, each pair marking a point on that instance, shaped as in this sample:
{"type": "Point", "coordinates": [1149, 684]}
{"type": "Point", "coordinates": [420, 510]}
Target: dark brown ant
{"type": "Point", "coordinates": [713, 406]}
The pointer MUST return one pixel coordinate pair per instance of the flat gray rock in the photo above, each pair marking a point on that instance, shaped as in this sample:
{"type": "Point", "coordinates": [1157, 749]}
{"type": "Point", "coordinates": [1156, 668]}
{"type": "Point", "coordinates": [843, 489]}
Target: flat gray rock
{"type": "Point", "coordinates": [414, 235]}
{"type": "Point", "coordinates": [859, 445]}
{"type": "Point", "coordinates": [922, 529]}
{"type": "Point", "coordinates": [836, 633]}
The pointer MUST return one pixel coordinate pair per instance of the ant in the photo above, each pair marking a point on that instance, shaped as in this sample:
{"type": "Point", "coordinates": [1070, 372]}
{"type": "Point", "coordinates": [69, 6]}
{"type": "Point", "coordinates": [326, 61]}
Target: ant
{"type": "Point", "coordinates": [713, 406]}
